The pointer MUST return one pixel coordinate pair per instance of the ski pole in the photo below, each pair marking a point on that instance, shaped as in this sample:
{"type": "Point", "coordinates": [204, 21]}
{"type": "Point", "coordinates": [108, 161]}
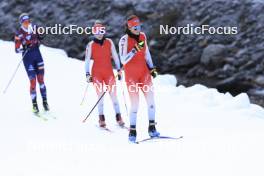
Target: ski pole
{"type": "Point", "coordinates": [14, 74]}
{"type": "Point", "coordinates": [84, 94]}
{"type": "Point", "coordinates": [124, 97]}
{"type": "Point", "coordinates": [95, 106]}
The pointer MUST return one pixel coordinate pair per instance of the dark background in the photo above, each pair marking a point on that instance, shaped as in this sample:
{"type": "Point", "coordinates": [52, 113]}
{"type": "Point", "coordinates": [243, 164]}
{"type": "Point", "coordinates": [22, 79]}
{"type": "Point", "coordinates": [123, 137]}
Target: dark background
{"type": "Point", "coordinates": [232, 63]}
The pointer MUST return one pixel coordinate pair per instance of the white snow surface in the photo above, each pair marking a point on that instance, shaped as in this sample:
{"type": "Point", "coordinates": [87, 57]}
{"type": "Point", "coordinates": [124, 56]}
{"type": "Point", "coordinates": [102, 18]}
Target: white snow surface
{"type": "Point", "coordinates": [223, 135]}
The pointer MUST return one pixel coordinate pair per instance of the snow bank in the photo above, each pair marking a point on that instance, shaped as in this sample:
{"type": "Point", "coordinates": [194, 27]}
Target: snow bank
{"type": "Point", "coordinates": [223, 135]}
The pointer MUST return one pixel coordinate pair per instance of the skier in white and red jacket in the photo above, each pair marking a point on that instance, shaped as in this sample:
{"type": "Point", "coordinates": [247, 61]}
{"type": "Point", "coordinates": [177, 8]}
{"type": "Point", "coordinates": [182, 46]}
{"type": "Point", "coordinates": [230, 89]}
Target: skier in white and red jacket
{"type": "Point", "coordinates": [138, 67]}
{"type": "Point", "coordinates": [102, 51]}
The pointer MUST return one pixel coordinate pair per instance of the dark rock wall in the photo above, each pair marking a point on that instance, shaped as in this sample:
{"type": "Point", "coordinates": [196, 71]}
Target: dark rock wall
{"type": "Point", "coordinates": [229, 62]}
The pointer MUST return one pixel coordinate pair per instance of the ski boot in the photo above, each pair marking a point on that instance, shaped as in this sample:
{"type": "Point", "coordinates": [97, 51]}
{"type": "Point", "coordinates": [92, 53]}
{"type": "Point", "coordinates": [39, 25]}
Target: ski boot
{"type": "Point", "coordinates": [152, 129]}
{"type": "Point", "coordinates": [119, 120]}
{"type": "Point", "coordinates": [35, 108]}
{"type": "Point", "coordinates": [45, 105]}
{"type": "Point", "coordinates": [102, 123]}
{"type": "Point", "coordinates": [132, 134]}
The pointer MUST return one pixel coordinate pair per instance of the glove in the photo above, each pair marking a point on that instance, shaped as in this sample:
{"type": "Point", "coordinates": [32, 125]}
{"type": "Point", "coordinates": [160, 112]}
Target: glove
{"type": "Point", "coordinates": [20, 50]}
{"type": "Point", "coordinates": [27, 47]}
{"type": "Point", "coordinates": [89, 78]}
{"type": "Point", "coordinates": [139, 46]}
{"type": "Point", "coordinates": [119, 75]}
{"type": "Point", "coordinates": [24, 49]}
{"type": "Point", "coordinates": [154, 72]}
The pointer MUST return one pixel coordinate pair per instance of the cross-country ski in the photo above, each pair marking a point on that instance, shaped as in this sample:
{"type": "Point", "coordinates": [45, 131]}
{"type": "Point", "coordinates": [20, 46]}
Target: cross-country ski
{"type": "Point", "coordinates": [159, 138]}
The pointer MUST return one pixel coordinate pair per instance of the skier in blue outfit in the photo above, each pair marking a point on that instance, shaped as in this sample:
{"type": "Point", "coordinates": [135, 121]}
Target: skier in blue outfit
{"type": "Point", "coordinates": [27, 42]}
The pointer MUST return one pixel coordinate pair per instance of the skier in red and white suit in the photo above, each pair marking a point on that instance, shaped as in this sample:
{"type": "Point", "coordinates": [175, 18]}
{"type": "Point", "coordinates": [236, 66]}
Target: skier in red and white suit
{"type": "Point", "coordinates": [138, 67]}
{"type": "Point", "coordinates": [102, 50]}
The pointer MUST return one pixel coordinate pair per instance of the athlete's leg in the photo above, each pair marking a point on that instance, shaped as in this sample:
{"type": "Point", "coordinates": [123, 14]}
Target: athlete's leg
{"type": "Point", "coordinates": [99, 88]}
{"type": "Point", "coordinates": [98, 84]}
{"type": "Point", "coordinates": [31, 72]}
{"type": "Point", "coordinates": [111, 85]}
{"type": "Point", "coordinates": [33, 92]}
{"type": "Point", "coordinates": [40, 78]}
{"type": "Point", "coordinates": [134, 101]}
{"type": "Point", "coordinates": [147, 89]}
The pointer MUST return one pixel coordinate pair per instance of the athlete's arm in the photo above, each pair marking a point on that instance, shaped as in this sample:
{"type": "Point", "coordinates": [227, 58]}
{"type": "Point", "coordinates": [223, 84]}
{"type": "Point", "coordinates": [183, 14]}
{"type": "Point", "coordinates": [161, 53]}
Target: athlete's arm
{"type": "Point", "coordinates": [18, 43]}
{"type": "Point", "coordinates": [124, 56]}
{"type": "Point", "coordinates": [115, 55]}
{"type": "Point", "coordinates": [148, 55]}
{"type": "Point", "coordinates": [149, 58]}
{"type": "Point", "coordinates": [88, 54]}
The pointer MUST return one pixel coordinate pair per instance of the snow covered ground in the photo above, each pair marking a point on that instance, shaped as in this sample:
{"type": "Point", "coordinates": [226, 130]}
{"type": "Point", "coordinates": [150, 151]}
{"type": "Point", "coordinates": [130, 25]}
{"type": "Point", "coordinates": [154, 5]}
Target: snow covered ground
{"type": "Point", "coordinates": [223, 135]}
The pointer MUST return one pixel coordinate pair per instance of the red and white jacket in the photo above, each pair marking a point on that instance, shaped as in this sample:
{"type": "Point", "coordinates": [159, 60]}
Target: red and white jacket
{"type": "Point", "coordinates": [130, 58]}
{"type": "Point", "coordinates": [102, 55]}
